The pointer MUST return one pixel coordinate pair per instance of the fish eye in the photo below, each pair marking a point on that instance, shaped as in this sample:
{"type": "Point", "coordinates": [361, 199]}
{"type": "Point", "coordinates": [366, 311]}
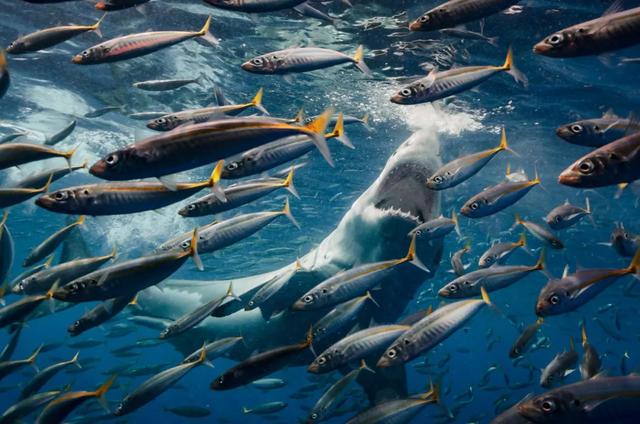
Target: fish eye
{"type": "Point", "coordinates": [453, 288]}
{"type": "Point", "coordinates": [60, 195]}
{"type": "Point", "coordinates": [21, 286]}
{"type": "Point", "coordinates": [160, 121]}
{"type": "Point", "coordinates": [474, 206]}
{"type": "Point", "coordinates": [85, 53]}
{"type": "Point", "coordinates": [307, 299]}
{"type": "Point", "coordinates": [438, 179]}
{"type": "Point", "coordinates": [185, 244]}
{"type": "Point", "coordinates": [424, 18]}
{"type": "Point", "coordinates": [405, 92]}
{"type": "Point", "coordinates": [554, 299]}
{"type": "Point", "coordinates": [112, 159]}
{"type": "Point", "coordinates": [548, 406]}
{"type": "Point", "coordinates": [489, 259]}
{"type": "Point", "coordinates": [418, 233]}
{"type": "Point", "coordinates": [576, 129]}
{"type": "Point", "coordinates": [322, 360]}
{"type": "Point", "coordinates": [391, 353]}
{"type": "Point", "coordinates": [314, 416]}
{"type": "Point", "coordinates": [191, 207]}
{"type": "Point", "coordinates": [586, 167]}
{"type": "Point", "coordinates": [558, 218]}
{"type": "Point", "coordinates": [556, 39]}
{"type": "Point", "coordinates": [232, 166]}
{"type": "Point", "coordinates": [220, 380]}
{"type": "Point", "coordinates": [257, 61]}
{"type": "Point", "coordinates": [467, 283]}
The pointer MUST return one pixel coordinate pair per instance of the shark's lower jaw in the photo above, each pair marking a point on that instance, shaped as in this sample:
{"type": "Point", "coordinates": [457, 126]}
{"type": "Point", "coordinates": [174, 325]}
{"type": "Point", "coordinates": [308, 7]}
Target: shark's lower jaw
{"type": "Point", "coordinates": [375, 228]}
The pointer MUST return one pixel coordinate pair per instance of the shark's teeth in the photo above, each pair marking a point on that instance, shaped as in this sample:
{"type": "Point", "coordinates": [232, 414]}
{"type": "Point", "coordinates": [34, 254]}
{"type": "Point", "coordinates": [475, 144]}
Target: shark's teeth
{"type": "Point", "coordinates": [399, 213]}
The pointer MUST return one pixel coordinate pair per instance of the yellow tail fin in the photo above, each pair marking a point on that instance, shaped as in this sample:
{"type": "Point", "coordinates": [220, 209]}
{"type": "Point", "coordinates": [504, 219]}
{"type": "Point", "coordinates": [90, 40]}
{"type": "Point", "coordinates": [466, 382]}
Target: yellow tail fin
{"type": "Point", "coordinates": [206, 27]}
{"type": "Point", "coordinates": [80, 220]}
{"type": "Point", "coordinates": [634, 266]}
{"type": "Point", "coordinates": [358, 59]}
{"type": "Point", "coordinates": [522, 241]}
{"type": "Point", "coordinates": [96, 26]}
{"type": "Point", "coordinates": [485, 296]}
{"type": "Point", "coordinates": [3, 60]}
{"type": "Point", "coordinates": [102, 390]}
{"type": "Point", "coordinates": [508, 62]}
{"type": "Point", "coordinates": [583, 332]}
{"type": "Point", "coordinates": [540, 264]}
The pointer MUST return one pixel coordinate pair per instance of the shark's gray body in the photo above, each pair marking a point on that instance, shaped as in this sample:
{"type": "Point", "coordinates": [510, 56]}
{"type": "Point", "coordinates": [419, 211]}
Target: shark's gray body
{"type": "Point", "coordinates": [374, 229]}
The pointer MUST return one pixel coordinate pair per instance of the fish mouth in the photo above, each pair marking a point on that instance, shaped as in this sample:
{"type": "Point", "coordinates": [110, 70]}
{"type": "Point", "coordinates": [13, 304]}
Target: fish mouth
{"type": "Point", "coordinates": [45, 201]}
{"type": "Point", "coordinates": [563, 133]}
{"type": "Point", "coordinates": [542, 48]}
{"type": "Point", "coordinates": [383, 363]}
{"type": "Point", "coordinates": [101, 6]}
{"type": "Point", "coordinates": [540, 309]}
{"type": "Point", "coordinates": [247, 66]}
{"type": "Point", "coordinates": [77, 59]}
{"type": "Point", "coordinates": [98, 169]}
{"type": "Point", "coordinates": [298, 306]}
{"type": "Point", "coordinates": [569, 178]}
{"type": "Point", "coordinates": [443, 292]}
{"type": "Point", "coordinates": [313, 368]}
{"type": "Point", "coordinates": [399, 99]}
{"type": "Point", "coordinates": [466, 211]}
{"type": "Point", "coordinates": [415, 26]}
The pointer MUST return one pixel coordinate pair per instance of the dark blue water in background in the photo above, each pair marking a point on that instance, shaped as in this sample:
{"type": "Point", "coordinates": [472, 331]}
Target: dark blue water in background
{"type": "Point", "coordinates": [47, 91]}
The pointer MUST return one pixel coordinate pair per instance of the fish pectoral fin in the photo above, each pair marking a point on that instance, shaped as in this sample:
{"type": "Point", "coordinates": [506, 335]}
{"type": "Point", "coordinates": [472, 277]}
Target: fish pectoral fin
{"type": "Point", "coordinates": [169, 182]}
{"type": "Point", "coordinates": [568, 372]}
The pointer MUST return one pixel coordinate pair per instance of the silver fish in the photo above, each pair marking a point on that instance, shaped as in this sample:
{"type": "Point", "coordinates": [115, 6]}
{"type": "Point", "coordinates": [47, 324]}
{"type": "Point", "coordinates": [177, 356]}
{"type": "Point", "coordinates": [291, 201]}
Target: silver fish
{"type": "Point", "coordinates": [166, 85]}
{"type": "Point", "coordinates": [254, 6]}
{"type": "Point", "coordinates": [493, 278]}
{"type": "Point", "coordinates": [100, 314]}
{"type": "Point", "coordinates": [27, 406]}
{"type": "Point", "coordinates": [590, 365]}
{"type": "Point", "coordinates": [566, 215]}
{"type": "Point", "coordinates": [303, 59]}
{"type": "Point", "coordinates": [559, 367]}
{"type": "Point", "coordinates": [440, 85]}
{"type": "Point", "coordinates": [599, 131]}
{"type": "Point", "coordinates": [214, 349]}
{"type": "Point", "coordinates": [431, 330]}
{"type": "Point", "coordinates": [14, 154]}
{"type": "Point", "coordinates": [498, 253]}
{"type": "Point", "coordinates": [496, 198]}
{"type": "Point", "coordinates": [43, 39]}
{"type": "Point", "coordinates": [41, 178]}
{"type": "Point", "coordinates": [156, 385]}
{"type": "Point", "coordinates": [459, 268]}
{"type": "Point", "coordinates": [49, 245]}
{"type": "Point", "coordinates": [540, 232]}
{"type": "Point", "coordinates": [461, 169]}
{"type": "Point", "coordinates": [61, 135]}
{"type": "Point", "coordinates": [42, 377]}
{"type": "Point", "coordinates": [456, 12]}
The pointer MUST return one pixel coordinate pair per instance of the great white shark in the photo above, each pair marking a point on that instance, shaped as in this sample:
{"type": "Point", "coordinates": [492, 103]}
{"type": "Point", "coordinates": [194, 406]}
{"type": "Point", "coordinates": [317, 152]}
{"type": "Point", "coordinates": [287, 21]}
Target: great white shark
{"type": "Point", "coordinates": [375, 228]}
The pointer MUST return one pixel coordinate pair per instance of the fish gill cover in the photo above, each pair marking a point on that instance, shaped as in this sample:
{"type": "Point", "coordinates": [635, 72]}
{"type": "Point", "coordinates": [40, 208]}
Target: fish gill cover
{"type": "Point", "coordinates": [375, 310]}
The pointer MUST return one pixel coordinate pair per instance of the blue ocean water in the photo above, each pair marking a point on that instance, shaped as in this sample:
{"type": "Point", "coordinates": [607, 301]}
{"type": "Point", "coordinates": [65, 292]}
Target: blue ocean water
{"type": "Point", "coordinates": [48, 91]}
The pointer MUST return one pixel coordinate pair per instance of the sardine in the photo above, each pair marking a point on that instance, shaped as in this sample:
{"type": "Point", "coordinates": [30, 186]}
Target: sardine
{"type": "Point", "coordinates": [166, 85]}
{"type": "Point", "coordinates": [615, 30]}
{"type": "Point", "coordinates": [431, 330]}
{"type": "Point", "coordinates": [214, 349]}
{"type": "Point", "coordinates": [540, 232]}
{"type": "Point", "coordinates": [136, 45]}
{"type": "Point", "coordinates": [5, 78]}
{"type": "Point", "coordinates": [440, 85]}
{"type": "Point", "coordinates": [171, 121]}
{"type": "Point", "coordinates": [49, 245]}
{"type": "Point", "coordinates": [614, 163]}
{"type": "Point", "coordinates": [14, 196]}
{"type": "Point", "coordinates": [112, 5]}
{"type": "Point", "coordinates": [9, 367]}
{"type": "Point", "coordinates": [590, 365]}
{"type": "Point", "coordinates": [14, 154]}
{"type": "Point", "coordinates": [42, 377]}
{"type": "Point", "coordinates": [461, 169]}
{"type": "Point", "coordinates": [457, 12]}
{"type": "Point", "coordinates": [599, 131]}
{"type": "Point", "coordinates": [498, 253]}
{"type": "Point", "coordinates": [200, 144]}
{"type": "Point", "coordinates": [491, 279]}
{"type": "Point", "coordinates": [43, 39]}
{"type": "Point", "coordinates": [459, 268]}
{"type": "Point", "coordinates": [25, 407]}
{"type": "Point", "coordinates": [255, 6]}
{"type": "Point", "coordinates": [560, 366]}
{"type": "Point", "coordinates": [156, 385]}
{"type": "Point", "coordinates": [353, 282]}
{"type": "Point", "coordinates": [496, 198]}
{"type": "Point", "coordinates": [303, 59]}
{"type": "Point", "coordinates": [568, 293]}
{"type": "Point", "coordinates": [100, 314]}
{"type": "Point", "coordinates": [566, 215]}
{"type": "Point", "coordinates": [525, 338]}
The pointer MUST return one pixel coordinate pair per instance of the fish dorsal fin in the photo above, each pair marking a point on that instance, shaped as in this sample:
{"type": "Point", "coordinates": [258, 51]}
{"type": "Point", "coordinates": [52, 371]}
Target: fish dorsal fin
{"type": "Point", "coordinates": [609, 114]}
{"type": "Point", "coordinates": [616, 6]}
{"type": "Point", "coordinates": [565, 273]}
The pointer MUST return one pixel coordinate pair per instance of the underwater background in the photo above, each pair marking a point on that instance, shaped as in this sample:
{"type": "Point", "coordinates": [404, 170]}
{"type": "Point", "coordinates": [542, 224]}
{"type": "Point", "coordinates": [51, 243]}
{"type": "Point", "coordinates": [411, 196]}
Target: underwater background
{"type": "Point", "coordinates": [48, 91]}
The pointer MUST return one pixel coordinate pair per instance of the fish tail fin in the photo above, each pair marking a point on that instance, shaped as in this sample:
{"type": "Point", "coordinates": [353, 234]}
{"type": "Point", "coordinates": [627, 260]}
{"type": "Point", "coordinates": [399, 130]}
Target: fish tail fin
{"type": "Point", "coordinates": [358, 59]}
{"type": "Point", "coordinates": [134, 301]}
{"type": "Point", "coordinates": [230, 292]}
{"type": "Point", "coordinates": [634, 266]}
{"type": "Point", "coordinates": [339, 134]}
{"type": "Point", "coordinates": [31, 359]}
{"type": "Point", "coordinates": [454, 218]}
{"type": "Point", "coordinates": [46, 185]}
{"type": "Point", "coordinates": [510, 68]}
{"type": "Point", "coordinates": [206, 35]}
{"type": "Point", "coordinates": [113, 253]}
{"type": "Point", "coordinates": [81, 220]}
{"type": "Point", "coordinates": [589, 211]}
{"type": "Point", "coordinates": [299, 118]}
{"type": "Point", "coordinates": [96, 27]}
{"type": "Point", "coordinates": [583, 334]}
{"type": "Point", "coordinates": [504, 145]}
{"type": "Point", "coordinates": [485, 296]}
{"type": "Point", "coordinates": [245, 410]}
{"type": "Point", "coordinates": [368, 296]}
{"type": "Point", "coordinates": [522, 241]}
{"type": "Point", "coordinates": [3, 59]}
{"type": "Point", "coordinates": [286, 211]}
{"type": "Point", "coordinates": [308, 341]}
{"type": "Point", "coordinates": [364, 366]}
{"type": "Point", "coordinates": [365, 121]}
{"type": "Point", "coordinates": [214, 182]}
{"type": "Point", "coordinates": [69, 154]}
{"type": "Point", "coordinates": [433, 394]}
{"type": "Point", "coordinates": [257, 101]}
{"type": "Point", "coordinates": [517, 221]}
{"type": "Point", "coordinates": [572, 345]}
{"type": "Point", "coordinates": [540, 266]}
{"type": "Point", "coordinates": [287, 183]}
{"type": "Point", "coordinates": [315, 130]}
{"type": "Point", "coordinates": [102, 391]}
{"type": "Point", "coordinates": [193, 250]}
{"type": "Point", "coordinates": [74, 360]}
{"type": "Point", "coordinates": [202, 358]}
{"type": "Point", "coordinates": [413, 257]}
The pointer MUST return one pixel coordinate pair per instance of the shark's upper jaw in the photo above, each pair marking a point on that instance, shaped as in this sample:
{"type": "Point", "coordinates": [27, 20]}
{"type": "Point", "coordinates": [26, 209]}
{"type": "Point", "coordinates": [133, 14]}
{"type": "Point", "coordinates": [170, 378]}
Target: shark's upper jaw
{"type": "Point", "coordinates": [403, 192]}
